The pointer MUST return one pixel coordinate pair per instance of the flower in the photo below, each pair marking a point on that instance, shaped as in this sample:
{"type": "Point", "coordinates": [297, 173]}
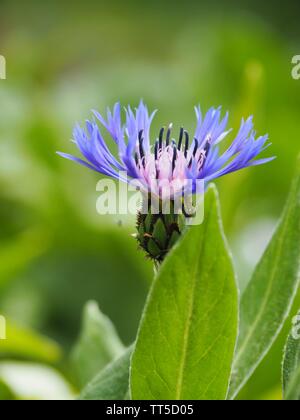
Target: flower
{"type": "Point", "coordinates": [165, 167]}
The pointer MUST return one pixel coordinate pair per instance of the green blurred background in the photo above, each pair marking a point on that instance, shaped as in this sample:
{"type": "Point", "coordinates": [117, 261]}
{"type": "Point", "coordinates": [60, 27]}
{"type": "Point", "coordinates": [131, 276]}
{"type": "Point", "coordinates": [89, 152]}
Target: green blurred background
{"type": "Point", "coordinates": [64, 59]}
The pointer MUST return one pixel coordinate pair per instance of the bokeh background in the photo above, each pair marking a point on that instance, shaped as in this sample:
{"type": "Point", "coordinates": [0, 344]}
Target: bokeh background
{"type": "Point", "coordinates": [65, 58]}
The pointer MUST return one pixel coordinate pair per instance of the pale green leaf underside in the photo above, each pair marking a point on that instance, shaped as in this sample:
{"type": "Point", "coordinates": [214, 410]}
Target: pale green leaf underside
{"type": "Point", "coordinates": [112, 383]}
{"type": "Point", "coordinates": [268, 298]}
{"type": "Point", "coordinates": [188, 332]}
{"type": "Point", "coordinates": [97, 346]}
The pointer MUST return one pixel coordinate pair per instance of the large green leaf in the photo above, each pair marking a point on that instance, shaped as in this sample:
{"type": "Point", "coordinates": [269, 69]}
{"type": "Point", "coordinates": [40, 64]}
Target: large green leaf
{"type": "Point", "coordinates": [291, 364]}
{"type": "Point", "coordinates": [187, 336]}
{"type": "Point", "coordinates": [112, 382]}
{"type": "Point", "coordinates": [268, 298]}
{"type": "Point", "coordinates": [98, 344]}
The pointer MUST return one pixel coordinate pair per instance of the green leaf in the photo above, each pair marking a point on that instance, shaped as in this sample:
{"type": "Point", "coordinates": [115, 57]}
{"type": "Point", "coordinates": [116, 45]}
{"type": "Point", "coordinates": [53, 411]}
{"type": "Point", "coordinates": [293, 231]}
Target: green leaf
{"type": "Point", "coordinates": [34, 381]}
{"type": "Point", "coordinates": [188, 332]}
{"type": "Point", "coordinates": [292, 390]}
{"type": "Point", "coordinates": [25, 343]}
{"type": "Point", "coordinates": [291, 364]}
{"type": "Point", "coordinates": [98, 344]}
{"type": "Point", "coordinates": [267, 301]}
{"type": "Point", "coordinates": [112, 382]}
{"type": "Point", "coordinates": [5, 392]}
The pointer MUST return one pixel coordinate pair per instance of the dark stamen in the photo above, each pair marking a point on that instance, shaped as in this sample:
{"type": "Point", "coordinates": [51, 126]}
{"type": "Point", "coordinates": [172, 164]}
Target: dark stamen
{"type": "Point", "coordinates": [186, 147]}
{"type": "Point", "coordinates": [180, 138]}
{"type": "Point", "coordinates": [161, 135]}
{"type": "Point", "coordinates": [136, 158]}
{"type": "Point", "coordinates": [156, 150]}
{"type": "Point", "coordinates": [141, 148]}
{"type": "Point", "coordinates": [194, 152]}
{"type": "Point", "coordinates": [195, 147]}
{"type": "Point", "coordinates": [174, 158]}
{"type": "Point", "coordinates": [169, 134]}
{"type": "Point", "coordinates": [201, 159]}
{"type": "Point", "coordinates": [207, 148]}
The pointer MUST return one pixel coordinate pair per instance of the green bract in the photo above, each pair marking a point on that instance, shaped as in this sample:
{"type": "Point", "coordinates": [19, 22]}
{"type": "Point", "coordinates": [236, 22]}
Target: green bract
{"type": "Point", "coordinates": [158, 233]}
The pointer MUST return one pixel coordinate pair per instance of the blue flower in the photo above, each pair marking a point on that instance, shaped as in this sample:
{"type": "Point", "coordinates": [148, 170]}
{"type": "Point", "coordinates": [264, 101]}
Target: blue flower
{"type": "Point", "coordinates": [166, 159]}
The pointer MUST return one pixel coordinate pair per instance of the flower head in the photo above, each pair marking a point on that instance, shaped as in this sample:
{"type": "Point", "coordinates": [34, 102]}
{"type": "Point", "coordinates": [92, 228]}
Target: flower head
{"type": "Point", "coordinates": [169, 169]}
{"type": "Point", "coordinates": [165, 166]}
